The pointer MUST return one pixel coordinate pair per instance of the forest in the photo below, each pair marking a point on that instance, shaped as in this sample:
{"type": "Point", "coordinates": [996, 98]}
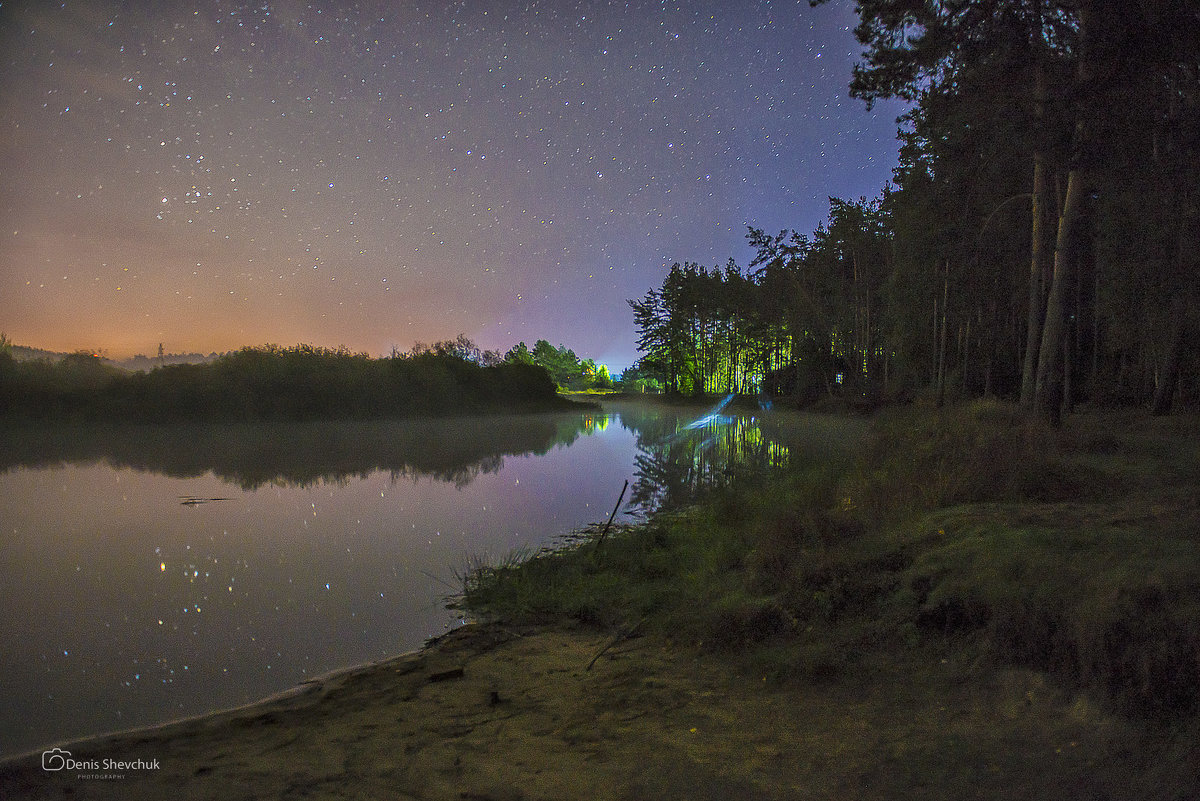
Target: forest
{"type": "Point", "coordinates": [1038, 241]}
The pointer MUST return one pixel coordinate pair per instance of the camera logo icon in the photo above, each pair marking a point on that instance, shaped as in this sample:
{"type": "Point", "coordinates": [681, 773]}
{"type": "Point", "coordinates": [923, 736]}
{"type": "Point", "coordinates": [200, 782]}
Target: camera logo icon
{"type": "Point", "coordinates": [55, 759]}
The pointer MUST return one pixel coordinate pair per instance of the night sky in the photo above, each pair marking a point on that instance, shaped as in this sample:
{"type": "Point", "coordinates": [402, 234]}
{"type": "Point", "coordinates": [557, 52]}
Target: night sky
{"type": "Point", "coordinates": [374, 174]}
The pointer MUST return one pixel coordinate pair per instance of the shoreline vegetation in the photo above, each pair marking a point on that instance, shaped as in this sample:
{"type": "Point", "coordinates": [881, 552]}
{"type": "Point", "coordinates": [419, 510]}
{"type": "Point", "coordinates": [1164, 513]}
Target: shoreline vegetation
{"type": "Point", "coordinates": [973, 605]}
{"type": "Point", "coordinates": [970, 536]}
{"type": "Point", "coordinates": [270, 383]}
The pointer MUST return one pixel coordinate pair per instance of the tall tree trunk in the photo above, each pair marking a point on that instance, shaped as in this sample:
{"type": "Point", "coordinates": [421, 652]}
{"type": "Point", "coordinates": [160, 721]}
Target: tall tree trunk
{"type": "Point", "coordinates": [936, 329]}
{"type": "Point", "coordinates": [1065, 406]}
{"type": "Point", "coordinates": [941, 362]}
{"type": "Point", "coordinates": [1094, 373]}
{"type": "Point", "coordinates": [1041, 251]}
{"type": "Point", "coordinates": [1049, 385]}
{"type": "Point", "coordinates": [1187, 239]}
{"type": "Point", "coordinates": [966, 357]}
{"type": "Point", "coordinates": [1164, 393]}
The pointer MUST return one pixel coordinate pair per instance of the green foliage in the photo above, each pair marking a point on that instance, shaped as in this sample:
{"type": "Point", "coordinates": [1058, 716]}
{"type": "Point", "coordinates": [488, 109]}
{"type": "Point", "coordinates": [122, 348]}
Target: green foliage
{"type": "Point", "coordinates": [519, 353]}
{"type": "Point", "coordinates": [641, 378]}
{"type": "Point", "coordinates": [801, 315]}
{"type": "Point", "coordinates": [564, 367]}
{"type": "Point", "coordinates": [562, 363]}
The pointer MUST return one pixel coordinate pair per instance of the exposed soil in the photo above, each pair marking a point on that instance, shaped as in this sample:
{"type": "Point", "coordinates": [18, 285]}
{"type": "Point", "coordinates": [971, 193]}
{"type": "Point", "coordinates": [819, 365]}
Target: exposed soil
{"type": "Point", "coordinates": [491, 713]}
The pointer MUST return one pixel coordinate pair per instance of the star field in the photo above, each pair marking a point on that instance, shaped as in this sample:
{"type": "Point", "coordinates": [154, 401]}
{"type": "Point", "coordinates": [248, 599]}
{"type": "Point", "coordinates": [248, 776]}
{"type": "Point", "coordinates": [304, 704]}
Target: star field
{"type": "Point", "coordinates": [373, 174]}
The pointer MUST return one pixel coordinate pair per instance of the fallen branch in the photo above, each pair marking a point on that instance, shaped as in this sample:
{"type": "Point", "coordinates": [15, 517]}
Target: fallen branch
{"type": "Point", "coordinates": [621, 636]}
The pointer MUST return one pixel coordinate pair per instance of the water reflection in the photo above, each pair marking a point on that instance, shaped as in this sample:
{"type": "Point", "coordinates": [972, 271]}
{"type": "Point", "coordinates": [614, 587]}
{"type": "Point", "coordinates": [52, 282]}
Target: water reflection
{"type": "Point", "coordinates": [300, 454]}
{"type": "Point", "coordinates": [152, 572]}
{"type": "Point", "coordinates": [685, 451]}
{"type": "Point", "coordinates": [681, 450]}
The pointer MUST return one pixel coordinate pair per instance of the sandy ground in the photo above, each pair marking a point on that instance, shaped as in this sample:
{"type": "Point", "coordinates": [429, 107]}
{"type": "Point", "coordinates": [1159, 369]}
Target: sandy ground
{"type": "Point", "coordinates": [492, 713]}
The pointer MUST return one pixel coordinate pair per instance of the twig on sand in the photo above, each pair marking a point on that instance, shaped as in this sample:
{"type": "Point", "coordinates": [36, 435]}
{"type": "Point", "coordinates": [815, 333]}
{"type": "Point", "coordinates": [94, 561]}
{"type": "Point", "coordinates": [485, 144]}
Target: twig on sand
{"type": "Point", "coordinates": [624, 634]}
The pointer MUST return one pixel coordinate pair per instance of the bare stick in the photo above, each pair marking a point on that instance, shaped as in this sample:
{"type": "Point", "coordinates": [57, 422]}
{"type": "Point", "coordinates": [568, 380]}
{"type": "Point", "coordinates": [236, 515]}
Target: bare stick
{"type": "Point", "coordinates": [607, 525]}
{"type": "Point", "coordinates": [621, 635]}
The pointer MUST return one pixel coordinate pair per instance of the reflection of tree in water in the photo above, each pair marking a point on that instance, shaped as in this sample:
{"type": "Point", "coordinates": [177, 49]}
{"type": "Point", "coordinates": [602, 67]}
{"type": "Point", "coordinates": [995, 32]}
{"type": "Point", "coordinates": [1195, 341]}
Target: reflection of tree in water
{"type": "Point", "coordinates": [594, 422]}
{"type": "Point", "coordinates": [673, 463]}
{"type": "Point", "coordinates": [460, 475]}
{"type": "Point", "coordinates": [676, 462]}
{"type": "Point", "coordinates": [454, 450]}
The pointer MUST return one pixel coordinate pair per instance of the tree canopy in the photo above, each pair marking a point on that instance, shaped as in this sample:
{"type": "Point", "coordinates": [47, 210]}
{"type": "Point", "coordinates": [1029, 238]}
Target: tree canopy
{"type": "Point", "coordinates": [567, 369]}
{"type": "Point", "coordinates": [1039, 240]}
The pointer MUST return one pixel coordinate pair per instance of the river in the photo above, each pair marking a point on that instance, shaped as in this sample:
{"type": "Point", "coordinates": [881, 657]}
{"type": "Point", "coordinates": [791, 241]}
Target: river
{"type": "Point", "coordinates": [149, 573]}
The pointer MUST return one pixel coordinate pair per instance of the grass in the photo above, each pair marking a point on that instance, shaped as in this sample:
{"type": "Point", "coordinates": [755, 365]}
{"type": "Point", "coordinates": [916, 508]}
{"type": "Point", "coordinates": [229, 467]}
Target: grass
{"type": "Point", "coordinates": [966, 534]}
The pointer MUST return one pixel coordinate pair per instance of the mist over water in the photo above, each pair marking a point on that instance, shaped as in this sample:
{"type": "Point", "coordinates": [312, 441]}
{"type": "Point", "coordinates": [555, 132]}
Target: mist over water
{"type": "Point", "coordinates": [151, 573]}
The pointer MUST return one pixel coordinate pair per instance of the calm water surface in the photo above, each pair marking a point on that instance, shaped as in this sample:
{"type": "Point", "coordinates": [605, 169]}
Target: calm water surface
{"type": "Point", "coordinates": [152, 573]}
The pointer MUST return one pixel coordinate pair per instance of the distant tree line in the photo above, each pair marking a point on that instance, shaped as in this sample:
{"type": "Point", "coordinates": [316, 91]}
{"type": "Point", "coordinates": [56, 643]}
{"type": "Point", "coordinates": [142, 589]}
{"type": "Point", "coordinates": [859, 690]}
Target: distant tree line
{"type": "Point", "coordinates": [276, 383]}
{"type": "Point", "coordinates": [1040, 241]}
{"type": "Point", "coordinates": [567, 369]}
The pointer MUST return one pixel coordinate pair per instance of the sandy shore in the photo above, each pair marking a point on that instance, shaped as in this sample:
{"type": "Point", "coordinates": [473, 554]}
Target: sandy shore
{"type": "Point", "coordinates": [491, 713]}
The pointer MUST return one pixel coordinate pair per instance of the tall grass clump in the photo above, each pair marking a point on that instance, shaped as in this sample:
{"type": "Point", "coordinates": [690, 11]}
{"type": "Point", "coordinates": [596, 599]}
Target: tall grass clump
{"type": "Point", "coordinates": [637, 571]}
{"type": "Point", "coordinates": [1020, 541]}
{"type": "Point", "coordinates": [1104, 606]}
{"type": "Point", "coordinates": [919, 459]}
{"type": "Point", "coordinates": [747, 569]}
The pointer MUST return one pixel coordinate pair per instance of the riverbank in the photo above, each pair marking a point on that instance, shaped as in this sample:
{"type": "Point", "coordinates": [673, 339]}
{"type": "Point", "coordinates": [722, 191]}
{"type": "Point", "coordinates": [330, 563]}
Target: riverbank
{"type": "Point", "coordinates": [558, 712]}
{"type": "Point", "coordinates": [975, 608]}
{"type": "Point", "coordinates": [966, 536]}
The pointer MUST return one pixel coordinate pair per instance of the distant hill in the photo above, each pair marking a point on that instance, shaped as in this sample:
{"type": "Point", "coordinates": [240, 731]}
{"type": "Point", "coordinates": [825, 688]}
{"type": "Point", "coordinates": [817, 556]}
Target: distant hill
{"type": "Point", "coordinates": [24, 353]}
{"type": "Point", "coordinates": [147, 363]}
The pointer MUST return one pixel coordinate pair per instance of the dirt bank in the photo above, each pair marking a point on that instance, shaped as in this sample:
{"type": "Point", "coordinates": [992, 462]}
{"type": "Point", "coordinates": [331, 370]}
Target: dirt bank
{"type": "Point", "coordinates": [491, 713]}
